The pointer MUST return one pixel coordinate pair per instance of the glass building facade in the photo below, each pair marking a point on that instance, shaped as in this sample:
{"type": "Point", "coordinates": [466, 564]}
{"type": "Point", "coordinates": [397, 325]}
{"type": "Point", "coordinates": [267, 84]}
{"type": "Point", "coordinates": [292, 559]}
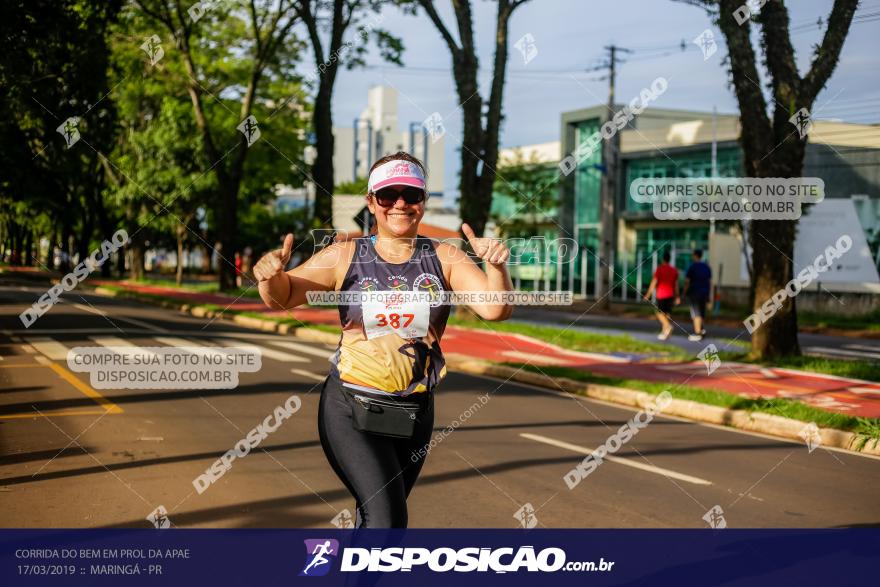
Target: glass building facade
{"type": "Point", "coordinates": [692, 164]}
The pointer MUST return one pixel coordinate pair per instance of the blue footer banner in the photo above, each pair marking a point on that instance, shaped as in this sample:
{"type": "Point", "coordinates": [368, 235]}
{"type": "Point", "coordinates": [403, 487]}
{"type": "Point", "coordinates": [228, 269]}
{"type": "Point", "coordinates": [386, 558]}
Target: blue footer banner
{"type": "Point", "coordinates": [439, 557]}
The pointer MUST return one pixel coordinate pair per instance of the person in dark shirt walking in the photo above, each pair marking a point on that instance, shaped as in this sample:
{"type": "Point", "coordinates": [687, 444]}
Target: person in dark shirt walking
{"type": "Point", "coordinates": [697, 286]}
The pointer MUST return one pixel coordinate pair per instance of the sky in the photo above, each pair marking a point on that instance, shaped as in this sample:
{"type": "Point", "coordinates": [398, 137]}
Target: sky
{"type": "Point", "coordinates": [569, 36]}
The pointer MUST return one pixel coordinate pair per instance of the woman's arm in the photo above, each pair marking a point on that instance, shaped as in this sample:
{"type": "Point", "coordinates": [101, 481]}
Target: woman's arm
{"type": "Point", "coordinates": [282, 290]}
{"type": "Point", "coordinates": [465, 275]}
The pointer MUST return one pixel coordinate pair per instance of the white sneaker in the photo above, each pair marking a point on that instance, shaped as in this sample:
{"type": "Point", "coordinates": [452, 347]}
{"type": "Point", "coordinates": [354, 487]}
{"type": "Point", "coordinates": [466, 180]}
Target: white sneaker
{"type": "Point", "coordinates": [695, 337]}
{"type": "Point", "coordinates": [665, 334]}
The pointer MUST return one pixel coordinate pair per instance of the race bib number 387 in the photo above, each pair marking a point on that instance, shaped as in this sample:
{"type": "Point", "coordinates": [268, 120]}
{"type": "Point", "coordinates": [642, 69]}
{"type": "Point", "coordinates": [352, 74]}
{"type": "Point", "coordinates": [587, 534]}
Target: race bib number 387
{"type": "Point", "coordinates": [406, 320]}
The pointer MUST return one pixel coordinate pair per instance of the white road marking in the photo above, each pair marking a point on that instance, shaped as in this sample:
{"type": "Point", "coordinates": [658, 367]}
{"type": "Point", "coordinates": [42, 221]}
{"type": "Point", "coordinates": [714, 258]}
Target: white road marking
{"type": "Point", "coordinates": [48, 346]}
{"type": "Point", "coordinates": [308, 374]}
{"type": "Point", "coordinates": [195, 346]}
{"type": "Point", "coordinates": [304, 348]}
{"type": "Point", "coordinates": [862, 347]}
{"type": "Point", "coordinates": [111, 341]}
{"type": "Point", "coordinates": [619, 460]}
{"type": "Point", "coordinates": [141, 323]}
{"type": "Point", "coordinates": [134, 321]}
{"type": "Point", "coordinates": [268, 352]}
{"type": "Point", "coordinates": [40, 331]}
{"type": "Point", "coordinates": [121, 346]}
{"type": "Point", "coordinates": [88, 309]}
{"type": "Point", "coordinates": [176, 342]}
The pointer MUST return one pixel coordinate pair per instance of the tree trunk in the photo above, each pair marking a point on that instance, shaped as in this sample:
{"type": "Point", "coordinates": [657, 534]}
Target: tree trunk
{"type": "Point", "coordinates": [181, 239]}
{"type": "Point", "coordinates": [772, 252]}
{"type": "Point", "coordinates": [227, 227]}
{"type": "Point", "coordinates": [773, 259]}
{"type": "Point", "coordinates": [120, 262]}
{"type": "Point", "coordinates": [65, 247]}
{"type": "Point", "coordinates": [209, 252]}
{"type": "Point", "coordinates": [322, 169]}
{"type": "Point", "coordinates": [107, 231]}
{"type": "Point", "coordinates": [136, 251]}
{"type": "Point", "coordinates": [85, 236]}
{"type": "Point", "coordinates": [27, 257]}
{"type": "Point", "coordinates": [473, 203]}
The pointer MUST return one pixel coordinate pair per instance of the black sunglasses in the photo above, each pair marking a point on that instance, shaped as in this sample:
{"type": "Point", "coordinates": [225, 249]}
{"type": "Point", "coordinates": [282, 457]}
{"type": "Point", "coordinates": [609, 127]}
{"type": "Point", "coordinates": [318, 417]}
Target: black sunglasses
{"type": "Point", "coordinates": [388, 197]}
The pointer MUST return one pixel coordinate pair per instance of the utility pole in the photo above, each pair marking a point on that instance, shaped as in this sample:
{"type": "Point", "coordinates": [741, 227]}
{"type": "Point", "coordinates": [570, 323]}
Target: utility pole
{"type": "Point", "coordinates": [608, 195]}
{"type": "Point", "coordinates": [714, 157]}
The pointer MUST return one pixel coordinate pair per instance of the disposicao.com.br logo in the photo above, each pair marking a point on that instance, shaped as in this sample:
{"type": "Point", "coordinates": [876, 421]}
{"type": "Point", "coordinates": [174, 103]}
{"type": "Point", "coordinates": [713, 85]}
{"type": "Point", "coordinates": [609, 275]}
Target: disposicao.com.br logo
{"type": "Point", "coordinates": [442, 560]}
{"type": "Point", "coordinates": [320, 553]}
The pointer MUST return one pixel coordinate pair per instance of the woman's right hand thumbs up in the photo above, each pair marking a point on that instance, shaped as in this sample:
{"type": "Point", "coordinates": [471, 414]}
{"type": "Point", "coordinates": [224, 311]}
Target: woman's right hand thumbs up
{"type": "Point", "coordinates": [274, 262]}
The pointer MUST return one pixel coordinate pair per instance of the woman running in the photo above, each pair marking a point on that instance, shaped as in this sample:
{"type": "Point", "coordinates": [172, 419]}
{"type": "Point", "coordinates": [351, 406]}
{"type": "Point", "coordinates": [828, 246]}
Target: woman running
{"type": "Point", "coordinates": [376, 409]}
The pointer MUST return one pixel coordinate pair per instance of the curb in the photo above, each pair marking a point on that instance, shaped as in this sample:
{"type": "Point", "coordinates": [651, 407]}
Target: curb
{"type": "Point", "coordinates": [741, 419]}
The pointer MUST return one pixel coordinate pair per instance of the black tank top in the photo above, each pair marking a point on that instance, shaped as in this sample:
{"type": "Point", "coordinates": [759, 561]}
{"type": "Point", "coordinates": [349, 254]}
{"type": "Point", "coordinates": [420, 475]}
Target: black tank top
{"type": "Point", "coordinates": [392, 351]}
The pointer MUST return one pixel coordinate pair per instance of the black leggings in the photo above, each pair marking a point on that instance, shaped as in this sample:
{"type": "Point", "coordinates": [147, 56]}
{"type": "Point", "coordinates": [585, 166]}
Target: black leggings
{"type": "Point", "coordinates": [379, 471]}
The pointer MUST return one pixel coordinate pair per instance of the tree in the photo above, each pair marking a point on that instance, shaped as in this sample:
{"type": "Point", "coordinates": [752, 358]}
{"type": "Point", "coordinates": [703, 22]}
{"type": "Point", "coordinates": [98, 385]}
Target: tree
{"type": "Point", "coordinates": [47, 186]}
{"type": "Point", "coordinates": [244, 50]}
{"type": "Point", "coordinates": [527, 185]}
{"type": "Point", "coordinates": [341, 14]}
{"type": "Point", "coordinates": [479, 145]}
{"type": "Point", "coordinates": [772, 147]}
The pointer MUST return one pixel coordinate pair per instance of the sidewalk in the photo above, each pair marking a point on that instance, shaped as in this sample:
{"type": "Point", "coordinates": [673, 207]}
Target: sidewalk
{"type": "Point", "coordinates": [851, 397]}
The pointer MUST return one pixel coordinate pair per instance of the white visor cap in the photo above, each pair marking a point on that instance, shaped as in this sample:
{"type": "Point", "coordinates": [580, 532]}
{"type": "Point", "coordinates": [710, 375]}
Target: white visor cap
{"type": "Point", "coordinates": [396, 172]}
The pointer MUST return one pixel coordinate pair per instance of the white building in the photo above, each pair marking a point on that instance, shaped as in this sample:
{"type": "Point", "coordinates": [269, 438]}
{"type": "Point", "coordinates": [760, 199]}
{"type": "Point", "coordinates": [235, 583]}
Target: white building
{"type": "Point", "coordinates": [377, 132]}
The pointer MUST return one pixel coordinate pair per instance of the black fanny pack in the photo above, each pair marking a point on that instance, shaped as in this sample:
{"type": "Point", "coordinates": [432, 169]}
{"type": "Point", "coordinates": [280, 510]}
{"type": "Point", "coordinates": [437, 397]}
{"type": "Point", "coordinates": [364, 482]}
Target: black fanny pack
{"type": "Point", "coordinates": [395, 418]}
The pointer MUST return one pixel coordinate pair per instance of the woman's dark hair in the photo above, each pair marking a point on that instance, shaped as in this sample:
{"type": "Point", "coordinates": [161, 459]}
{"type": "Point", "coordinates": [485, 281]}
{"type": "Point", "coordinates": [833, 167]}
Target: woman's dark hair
{"type": "Point", "coordinates": [666, 256]}
{"type": "Point", "coordinates": [403, 155]}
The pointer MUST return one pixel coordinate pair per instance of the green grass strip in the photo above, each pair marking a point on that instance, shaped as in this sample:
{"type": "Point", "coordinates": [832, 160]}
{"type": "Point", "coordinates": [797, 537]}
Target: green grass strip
{"type": "Point", "coordinates": [787, 408]}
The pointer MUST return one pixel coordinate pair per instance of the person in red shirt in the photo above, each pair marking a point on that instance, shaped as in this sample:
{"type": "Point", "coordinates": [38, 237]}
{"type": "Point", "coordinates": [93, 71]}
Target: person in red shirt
{"type": "Point", "coordinates": [238, 273]}
{"type": "Point", "coordinates": [665, 282]}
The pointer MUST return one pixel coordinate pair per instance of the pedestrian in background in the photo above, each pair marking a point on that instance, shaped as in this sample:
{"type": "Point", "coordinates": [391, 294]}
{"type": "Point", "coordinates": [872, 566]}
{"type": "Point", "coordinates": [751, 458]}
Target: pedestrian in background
{"type": "Point", "coordinates": [665, 282]}
{"type": "Point", "coordinates": [697, 286]}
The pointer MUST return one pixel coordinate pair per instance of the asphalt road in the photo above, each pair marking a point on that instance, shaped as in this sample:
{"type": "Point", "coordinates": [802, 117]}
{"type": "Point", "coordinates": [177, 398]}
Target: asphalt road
{"type": "Point", "coordinates": [71, 456]}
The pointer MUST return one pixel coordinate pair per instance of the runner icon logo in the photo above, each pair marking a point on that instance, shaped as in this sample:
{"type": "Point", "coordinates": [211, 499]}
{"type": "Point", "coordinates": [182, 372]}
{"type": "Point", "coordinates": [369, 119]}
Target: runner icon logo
{"type": "Point", "coordinates": [526, 516]}
{"type": "Point", "coordinates": [715, 518]}
{"type": "Point", "coordinates": [706, 43]}
{"type": "Point", "coordinates": [710, 358]}
{"type": "Point", "coordinates": [320, 553]}
{"type": "Point", "coordinates": [811, 436]}
{"type": "Point", "coordinates": [159, 518]}
{"type": "Point", "coordinates": [343, 520]}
